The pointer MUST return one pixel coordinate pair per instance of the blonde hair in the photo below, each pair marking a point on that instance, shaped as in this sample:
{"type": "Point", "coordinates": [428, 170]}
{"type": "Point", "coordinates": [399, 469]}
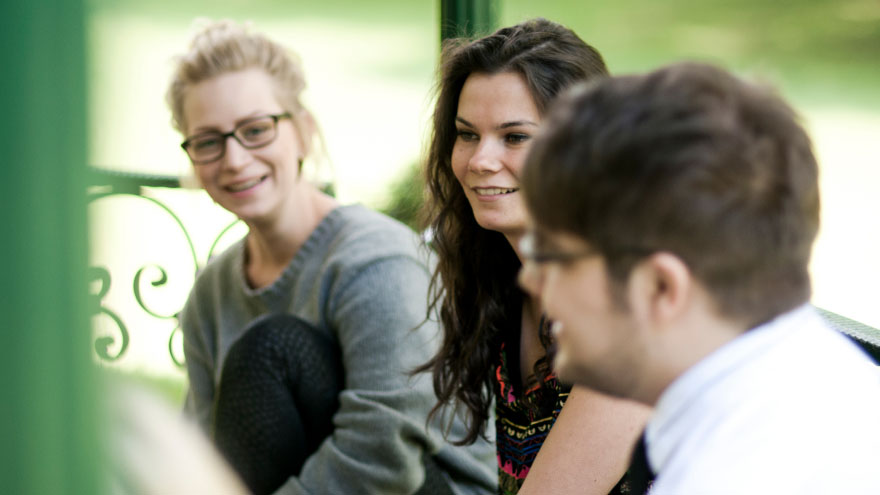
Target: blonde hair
{"type": "Point", "coordinates": [225, 46]}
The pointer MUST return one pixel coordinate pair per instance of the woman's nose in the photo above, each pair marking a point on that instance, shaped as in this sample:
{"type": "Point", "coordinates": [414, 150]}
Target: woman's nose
{"type": "Point", "coordinates": [236, 155]}
{"type": "Point", "coordinates": [487, 158]}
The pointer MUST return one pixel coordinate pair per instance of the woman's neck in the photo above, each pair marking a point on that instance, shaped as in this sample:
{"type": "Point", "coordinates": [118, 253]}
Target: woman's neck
{"type": "Point", "coordinates": [513, 239]}
{"type": "Point", "coordinates": [272, 244]}
{"type": "Point", "coordinates": [531, 348]}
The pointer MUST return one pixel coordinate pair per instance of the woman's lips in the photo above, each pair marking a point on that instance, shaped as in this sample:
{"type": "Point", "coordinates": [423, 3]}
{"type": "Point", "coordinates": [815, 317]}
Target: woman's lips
{"type": "Point", "coordinates": [494, 191]}
{"type": "Point", "coordinates": [244, 185]}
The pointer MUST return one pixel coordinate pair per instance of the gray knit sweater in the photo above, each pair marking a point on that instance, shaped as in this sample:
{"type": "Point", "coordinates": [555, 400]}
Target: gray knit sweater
{"type": "Point", "coordinates": [361, 277]}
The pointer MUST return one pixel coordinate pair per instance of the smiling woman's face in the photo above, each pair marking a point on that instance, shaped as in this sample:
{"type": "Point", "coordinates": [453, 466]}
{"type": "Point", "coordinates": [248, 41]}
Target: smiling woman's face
{"type": "Point", "coordinates": [254, 184]}
{"type": "Point", "coordinates": [496, 121]}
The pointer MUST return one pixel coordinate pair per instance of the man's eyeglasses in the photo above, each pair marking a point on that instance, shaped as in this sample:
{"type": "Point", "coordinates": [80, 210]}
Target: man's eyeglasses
{"type": "Point", "coordinates": [252, 133]}
{"type": "Point", "coordinates": [528, 248]}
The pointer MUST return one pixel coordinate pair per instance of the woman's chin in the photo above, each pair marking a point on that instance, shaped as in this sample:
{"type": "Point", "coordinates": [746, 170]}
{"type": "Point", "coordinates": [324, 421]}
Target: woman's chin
{"type": "Point", "coordinates": [501, 225]}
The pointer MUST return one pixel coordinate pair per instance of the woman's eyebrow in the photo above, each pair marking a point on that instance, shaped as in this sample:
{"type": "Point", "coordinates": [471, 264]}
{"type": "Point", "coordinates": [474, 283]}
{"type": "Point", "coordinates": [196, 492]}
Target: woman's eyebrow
{"type": "Point", "coordinates": [517, 123]}
{"type": "Point", "coordinates": [463, 121]}
{"type": "Point", "coordinates": [505, 125]}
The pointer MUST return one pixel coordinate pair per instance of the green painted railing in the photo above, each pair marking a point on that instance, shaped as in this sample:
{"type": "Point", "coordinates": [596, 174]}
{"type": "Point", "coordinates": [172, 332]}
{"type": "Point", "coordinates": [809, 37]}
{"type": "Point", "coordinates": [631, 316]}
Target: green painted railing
{"type": "Point", "coordinates": [867, 337]}
{"type": "Point", "coordinates": [150, 274]}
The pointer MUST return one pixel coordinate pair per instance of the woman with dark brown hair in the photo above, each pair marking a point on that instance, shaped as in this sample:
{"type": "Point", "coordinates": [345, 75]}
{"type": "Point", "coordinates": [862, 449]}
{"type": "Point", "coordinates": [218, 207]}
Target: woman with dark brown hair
{"type": "Point", "coordinates": [492, 94]}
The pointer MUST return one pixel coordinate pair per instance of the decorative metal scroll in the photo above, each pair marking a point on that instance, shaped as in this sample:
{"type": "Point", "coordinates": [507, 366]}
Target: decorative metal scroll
{"type": "Point", "coordinates": [148, 277]}
{"type": "Point", "coordinates": [160, 281]}
{"type": "Point", "coordinates": [103, 344]}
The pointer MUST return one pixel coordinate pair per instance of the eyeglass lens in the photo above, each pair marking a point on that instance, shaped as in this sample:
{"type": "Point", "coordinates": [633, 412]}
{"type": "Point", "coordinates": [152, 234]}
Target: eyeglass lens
{"type": "Point", "coordinates": [251, 134]}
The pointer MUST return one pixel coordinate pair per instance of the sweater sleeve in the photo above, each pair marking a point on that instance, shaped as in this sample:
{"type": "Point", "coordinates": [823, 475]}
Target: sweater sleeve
{"type": "Point", "coordinates": [380, 434]}
{"type": "Point", "coordinates": [197, 344]}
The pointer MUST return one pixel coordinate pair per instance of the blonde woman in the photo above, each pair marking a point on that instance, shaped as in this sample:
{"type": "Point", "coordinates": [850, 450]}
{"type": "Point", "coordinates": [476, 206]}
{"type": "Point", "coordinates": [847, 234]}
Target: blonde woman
{"type": "Point", "coordinates": [299, 338]}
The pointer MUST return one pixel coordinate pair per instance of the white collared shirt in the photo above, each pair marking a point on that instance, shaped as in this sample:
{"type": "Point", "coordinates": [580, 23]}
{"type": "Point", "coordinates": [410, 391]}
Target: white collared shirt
{"type": "Point", "coordinates": [789, 407]}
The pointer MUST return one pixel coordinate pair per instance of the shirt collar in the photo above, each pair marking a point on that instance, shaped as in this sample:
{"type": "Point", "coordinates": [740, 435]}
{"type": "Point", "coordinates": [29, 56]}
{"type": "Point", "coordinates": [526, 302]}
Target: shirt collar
{"type": "Point", "coordinates": [681, 400]}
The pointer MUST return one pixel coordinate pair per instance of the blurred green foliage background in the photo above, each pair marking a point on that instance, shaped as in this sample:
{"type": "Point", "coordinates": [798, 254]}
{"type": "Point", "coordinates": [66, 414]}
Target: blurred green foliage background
{"type": "Point", "coordinates": [825, 49]}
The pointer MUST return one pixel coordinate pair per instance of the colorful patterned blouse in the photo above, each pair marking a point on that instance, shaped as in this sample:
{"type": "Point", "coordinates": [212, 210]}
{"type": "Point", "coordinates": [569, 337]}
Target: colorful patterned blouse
{"type": "Point", "coordinates": [521, 423]}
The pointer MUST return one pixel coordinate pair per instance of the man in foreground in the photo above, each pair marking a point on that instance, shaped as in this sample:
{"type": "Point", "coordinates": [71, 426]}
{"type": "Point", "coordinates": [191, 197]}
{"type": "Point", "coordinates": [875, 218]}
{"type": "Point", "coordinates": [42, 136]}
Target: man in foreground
{"type": "Point", "coordinates": [674, 218]}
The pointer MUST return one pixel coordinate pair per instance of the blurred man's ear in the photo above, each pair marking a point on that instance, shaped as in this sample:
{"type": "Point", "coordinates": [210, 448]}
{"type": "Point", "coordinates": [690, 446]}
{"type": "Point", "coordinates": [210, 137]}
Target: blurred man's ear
{"type": "Point", "coordinates": [659, 289]}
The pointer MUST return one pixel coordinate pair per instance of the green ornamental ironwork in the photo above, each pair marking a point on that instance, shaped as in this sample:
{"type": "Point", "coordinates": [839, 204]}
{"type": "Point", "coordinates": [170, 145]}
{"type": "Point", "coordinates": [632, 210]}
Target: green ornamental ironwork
{"type": "Point", "coordinates": [111, 184]}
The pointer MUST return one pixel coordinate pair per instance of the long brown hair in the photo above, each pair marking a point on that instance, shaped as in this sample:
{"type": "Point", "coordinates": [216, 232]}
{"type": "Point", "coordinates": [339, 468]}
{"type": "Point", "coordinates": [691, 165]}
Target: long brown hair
{"type": "Point", "coordinates": [474, 285]}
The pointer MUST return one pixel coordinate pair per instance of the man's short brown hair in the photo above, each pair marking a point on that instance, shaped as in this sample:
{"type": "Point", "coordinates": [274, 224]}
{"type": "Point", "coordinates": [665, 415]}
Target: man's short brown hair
{"type": "Point", "coordinates": [689, 160]}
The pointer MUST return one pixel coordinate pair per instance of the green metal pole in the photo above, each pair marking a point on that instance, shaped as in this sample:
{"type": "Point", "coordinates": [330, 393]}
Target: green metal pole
{"type": "Point", "coordinates": [48, 412]}
{"type": "Point", "coordinates": [467, 18]}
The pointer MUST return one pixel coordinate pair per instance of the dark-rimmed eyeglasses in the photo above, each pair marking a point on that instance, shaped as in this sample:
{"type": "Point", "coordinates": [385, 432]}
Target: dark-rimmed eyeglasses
{"type": "Point", "coordinates": [252, 133]}
{"type": "Point", "coordinates": [530, 251]}
{"type": "Point", "coordinates": [528, 248]}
